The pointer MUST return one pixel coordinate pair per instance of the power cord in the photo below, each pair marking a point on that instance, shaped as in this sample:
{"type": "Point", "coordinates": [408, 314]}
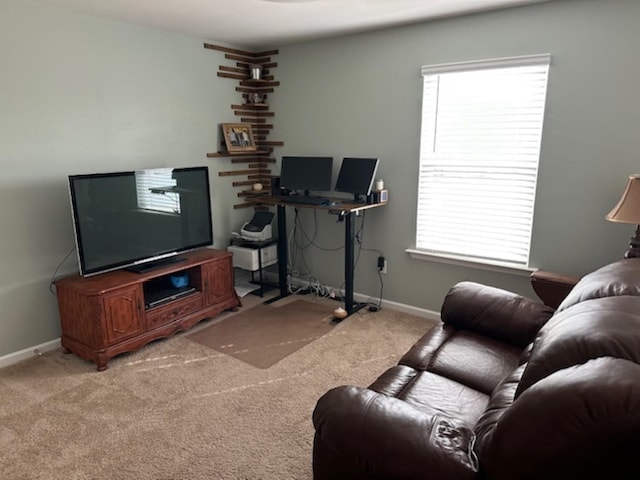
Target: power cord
{"type": "Point", "coordinates": [55, 273]}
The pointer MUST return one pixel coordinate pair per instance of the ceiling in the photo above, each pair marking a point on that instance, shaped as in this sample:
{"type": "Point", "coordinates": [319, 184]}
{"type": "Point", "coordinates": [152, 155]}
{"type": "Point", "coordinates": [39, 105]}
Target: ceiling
{"type": "Point", "coordinates": [271, 23]}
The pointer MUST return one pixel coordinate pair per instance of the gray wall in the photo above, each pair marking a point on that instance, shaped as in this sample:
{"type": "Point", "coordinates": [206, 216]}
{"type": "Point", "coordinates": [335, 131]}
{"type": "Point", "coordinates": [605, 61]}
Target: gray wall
{"type": "Point", "coordinates": [79, 94]}
{"type": "Point", "coordinates": [361, 95]}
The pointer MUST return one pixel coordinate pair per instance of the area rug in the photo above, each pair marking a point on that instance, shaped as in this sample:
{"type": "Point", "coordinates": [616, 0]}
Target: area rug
{"type": "Point", "coordinates": [265, 334]}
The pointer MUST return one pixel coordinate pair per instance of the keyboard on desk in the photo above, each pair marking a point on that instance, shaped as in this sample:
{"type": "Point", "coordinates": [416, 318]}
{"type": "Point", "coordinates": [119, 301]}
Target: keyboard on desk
{"type": "Point", "coordinates": [303, 200]}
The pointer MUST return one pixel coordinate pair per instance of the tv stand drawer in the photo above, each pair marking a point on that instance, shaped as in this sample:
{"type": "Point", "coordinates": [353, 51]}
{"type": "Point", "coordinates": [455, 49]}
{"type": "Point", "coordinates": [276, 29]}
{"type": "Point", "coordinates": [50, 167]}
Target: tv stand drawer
{"type": "Point", "coordinates": [174, 310]}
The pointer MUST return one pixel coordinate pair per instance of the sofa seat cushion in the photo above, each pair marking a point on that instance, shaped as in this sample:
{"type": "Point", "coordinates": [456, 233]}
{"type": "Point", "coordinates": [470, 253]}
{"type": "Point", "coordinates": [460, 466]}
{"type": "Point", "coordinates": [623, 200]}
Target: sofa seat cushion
{"type": "Point", "coordinates": [432, 394]}
{"type": "Point", "coordinates": [463, 356]}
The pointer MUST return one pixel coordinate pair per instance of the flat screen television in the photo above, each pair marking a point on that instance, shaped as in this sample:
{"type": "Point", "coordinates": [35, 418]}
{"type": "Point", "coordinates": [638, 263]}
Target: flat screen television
{"type": "Point", "coordinates": [139, 219]}
{"type": "Point", "coordinates": [356, 176]}
{"type": "Point", "coordinates": [306, 174]}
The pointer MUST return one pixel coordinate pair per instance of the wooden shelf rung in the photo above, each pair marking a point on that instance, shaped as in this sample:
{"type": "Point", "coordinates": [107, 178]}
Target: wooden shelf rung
{"type": "Point", "coordinates": [252, 121]}
{"type": "Point", "coordinates": [253, 194]}
{"type": "Point", "coordinates": [255, 114]}
{"type": "Point", "coordinates": [231, 75]}
{"type": "Point", "coordinates": [245, 53]}
{"type": "Point", "coordinates": [242, 172]}
{"type": "Point", "coordinates": [241, 58]}
{"type": "Point", "coordinates": [252, 83]}
{"type": "Point", "coordinates": [245, 160]}
{"type": "Point", "coordinates": [243, 183]}
{"type": "Point", "coordinates": [250, 106]}
{"type": "Point", "coordinates": [254, 89]}
{"type": "Point", "coordinates": [263, 151]}
{"type": "Point", "coordinates": [242, 71]}
{"type": "Point", "coordinates": [265, 66]}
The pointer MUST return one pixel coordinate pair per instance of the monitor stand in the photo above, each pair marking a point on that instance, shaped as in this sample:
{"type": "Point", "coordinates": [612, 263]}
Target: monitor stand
{"type": "Point", "coordinates": [357, 198]}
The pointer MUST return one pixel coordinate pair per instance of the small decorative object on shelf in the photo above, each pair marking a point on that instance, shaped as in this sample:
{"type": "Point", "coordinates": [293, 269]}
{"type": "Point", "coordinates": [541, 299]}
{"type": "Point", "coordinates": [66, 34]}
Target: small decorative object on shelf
{"type": "Point", "coordinates": [257, 187]}
{"type": "Point", "coordinates": [238, 137]}
{"type": "Point", "coordinates": [256, 72]}
{"type": "Point", "coordinates": [257, 98]}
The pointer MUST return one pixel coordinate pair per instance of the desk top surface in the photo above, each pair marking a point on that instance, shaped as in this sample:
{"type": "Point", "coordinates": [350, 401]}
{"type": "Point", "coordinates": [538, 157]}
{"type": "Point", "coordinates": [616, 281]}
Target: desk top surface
{"type": "Point", "coordinates": [337, 204]}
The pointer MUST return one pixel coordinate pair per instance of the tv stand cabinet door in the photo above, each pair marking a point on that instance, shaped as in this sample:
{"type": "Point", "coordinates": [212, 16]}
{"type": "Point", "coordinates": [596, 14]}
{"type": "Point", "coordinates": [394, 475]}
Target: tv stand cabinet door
{"type": "Point", "coordinates": [123, 314]}
{"type": "Point", "coordinates": [218, 280]}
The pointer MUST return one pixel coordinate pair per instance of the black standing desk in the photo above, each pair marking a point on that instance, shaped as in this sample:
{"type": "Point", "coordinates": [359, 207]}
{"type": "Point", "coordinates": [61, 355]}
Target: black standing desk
{"type": "Point", "coordinates": [340, 207]}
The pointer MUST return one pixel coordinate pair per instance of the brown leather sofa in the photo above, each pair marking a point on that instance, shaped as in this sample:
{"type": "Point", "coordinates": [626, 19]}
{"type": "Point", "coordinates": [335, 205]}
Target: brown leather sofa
{"type": "Point", "coordinates": [506, 388]}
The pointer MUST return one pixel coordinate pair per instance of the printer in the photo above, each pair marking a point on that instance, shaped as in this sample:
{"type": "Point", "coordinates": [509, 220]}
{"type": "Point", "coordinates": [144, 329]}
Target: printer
{"type": "Point", "coordinates": [258, 228]}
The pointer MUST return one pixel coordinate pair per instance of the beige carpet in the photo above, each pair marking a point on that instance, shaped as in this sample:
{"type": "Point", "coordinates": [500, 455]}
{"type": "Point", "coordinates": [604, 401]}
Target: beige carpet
{"type": "Point", "coordinates": [178, 410]}
{"type": "Point", "coordinates": [265, 334]}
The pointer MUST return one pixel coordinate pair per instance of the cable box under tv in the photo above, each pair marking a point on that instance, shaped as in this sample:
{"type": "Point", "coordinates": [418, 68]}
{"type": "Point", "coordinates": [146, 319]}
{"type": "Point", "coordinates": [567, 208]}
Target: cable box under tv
{"type": "Point", "coordinates": [159, 297]}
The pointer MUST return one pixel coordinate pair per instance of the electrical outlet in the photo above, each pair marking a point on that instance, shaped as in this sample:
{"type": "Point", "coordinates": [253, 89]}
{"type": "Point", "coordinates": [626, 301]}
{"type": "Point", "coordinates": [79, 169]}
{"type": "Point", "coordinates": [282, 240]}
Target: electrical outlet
{"type": "Point", "coordinates": [382, 264]}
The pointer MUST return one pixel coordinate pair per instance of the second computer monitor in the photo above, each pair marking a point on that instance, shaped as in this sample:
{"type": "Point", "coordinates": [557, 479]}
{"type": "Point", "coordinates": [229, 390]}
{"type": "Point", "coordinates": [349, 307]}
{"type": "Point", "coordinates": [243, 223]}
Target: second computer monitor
{"type": "Point", "coordinates": [356, 176]}
{"type": "Point", "coordinates": [306, 173]}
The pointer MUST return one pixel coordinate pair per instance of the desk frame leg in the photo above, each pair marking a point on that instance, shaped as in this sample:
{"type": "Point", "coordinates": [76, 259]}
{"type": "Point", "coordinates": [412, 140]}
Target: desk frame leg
{"type": "Point", "coordinates": [349, 252]}
{"type": "Point", "coordinates": [282, 254]}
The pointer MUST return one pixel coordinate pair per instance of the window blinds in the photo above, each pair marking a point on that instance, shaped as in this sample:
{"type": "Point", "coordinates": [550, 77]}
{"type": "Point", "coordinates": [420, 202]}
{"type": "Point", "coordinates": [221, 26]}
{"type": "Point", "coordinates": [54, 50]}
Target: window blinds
{"type": "Point", "coordinates": [479, 153]}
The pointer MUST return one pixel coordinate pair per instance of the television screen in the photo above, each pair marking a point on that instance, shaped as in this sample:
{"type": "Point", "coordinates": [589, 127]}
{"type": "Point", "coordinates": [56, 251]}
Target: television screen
{"type": "Point", "coordinates": [306, 173]}
{"type": "Point", "coordinates": [357, 175]}
{"type": "Point", "coordinates": [122, 219]}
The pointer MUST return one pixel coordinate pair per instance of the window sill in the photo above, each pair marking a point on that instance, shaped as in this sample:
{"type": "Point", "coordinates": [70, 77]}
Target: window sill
{"type": "Point", "coordinates": [501, 267]}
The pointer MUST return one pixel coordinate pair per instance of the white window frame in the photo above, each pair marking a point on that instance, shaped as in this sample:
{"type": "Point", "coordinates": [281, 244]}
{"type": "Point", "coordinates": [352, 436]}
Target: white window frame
{"type": "Point", "coordinates": [468, 168]}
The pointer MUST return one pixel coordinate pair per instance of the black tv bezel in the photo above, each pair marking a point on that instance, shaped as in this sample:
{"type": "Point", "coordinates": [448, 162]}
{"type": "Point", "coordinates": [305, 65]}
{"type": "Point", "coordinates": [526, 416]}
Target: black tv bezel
{"type": "Point", "coordinates": [145, 262]}
{"type": "Point", "coordinates": [339, 187]}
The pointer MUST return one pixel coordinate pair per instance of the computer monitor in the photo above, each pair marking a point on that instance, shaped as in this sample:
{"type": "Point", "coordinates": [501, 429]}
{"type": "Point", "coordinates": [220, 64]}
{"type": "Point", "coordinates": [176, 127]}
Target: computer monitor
{"type": "Point", "coordinates": [306, 173]}
{"type": "Point", "coordinates": [357, 176]}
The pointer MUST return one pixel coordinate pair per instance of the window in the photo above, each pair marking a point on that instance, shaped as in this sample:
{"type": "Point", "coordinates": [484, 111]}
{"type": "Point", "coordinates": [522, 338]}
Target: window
{"type": "Point", "coordinates": [479, 155]}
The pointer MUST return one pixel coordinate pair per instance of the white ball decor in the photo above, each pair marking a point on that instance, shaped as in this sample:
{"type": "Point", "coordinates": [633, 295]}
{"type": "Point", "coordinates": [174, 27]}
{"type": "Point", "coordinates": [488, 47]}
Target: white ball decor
{"type": "Point", "coordinates": [340, 313]}
{"type": "Point", "coordinates": [257, 187]}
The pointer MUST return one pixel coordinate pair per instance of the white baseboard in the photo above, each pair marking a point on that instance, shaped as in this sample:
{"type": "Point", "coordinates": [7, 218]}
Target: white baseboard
{"type": "Point", "coordinates": [16, 357]}
{"type": "Point", "coordinates": [401, 307]}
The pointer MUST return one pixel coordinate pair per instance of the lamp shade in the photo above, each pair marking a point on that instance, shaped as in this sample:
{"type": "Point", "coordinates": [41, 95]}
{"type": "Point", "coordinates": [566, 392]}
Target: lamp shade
{"type": "Point", "coordinates": [627, 209]}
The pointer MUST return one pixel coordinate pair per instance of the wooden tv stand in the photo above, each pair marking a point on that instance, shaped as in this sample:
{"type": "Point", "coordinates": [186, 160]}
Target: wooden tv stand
{"type": "Point", "coordinates": [121, 311]}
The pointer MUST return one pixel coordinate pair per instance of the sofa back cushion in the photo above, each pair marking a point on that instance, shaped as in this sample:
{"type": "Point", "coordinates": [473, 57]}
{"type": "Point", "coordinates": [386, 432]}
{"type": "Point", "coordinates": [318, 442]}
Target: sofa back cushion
{"type": "Point", "coordinates": [616, 279]}
{"type": "Point", "coordinates": [606, 327]}
{"type": "Point", "coordinates": [494, 312]}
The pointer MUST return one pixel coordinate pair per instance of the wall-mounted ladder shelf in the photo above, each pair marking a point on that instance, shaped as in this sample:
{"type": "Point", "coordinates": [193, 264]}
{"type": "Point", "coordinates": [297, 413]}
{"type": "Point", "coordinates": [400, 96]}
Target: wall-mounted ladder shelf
{"type": "Point", "coordinates": [255, 165]}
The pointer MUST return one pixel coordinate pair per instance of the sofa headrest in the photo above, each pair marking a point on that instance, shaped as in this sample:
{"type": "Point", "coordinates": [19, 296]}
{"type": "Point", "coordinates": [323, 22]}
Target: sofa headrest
{"type": "Point", "coordinates": [618, 278]}
{"type": "Point", "coordinates": [605, 327]}
{"type": "Point", "coordinates": [495, 313]}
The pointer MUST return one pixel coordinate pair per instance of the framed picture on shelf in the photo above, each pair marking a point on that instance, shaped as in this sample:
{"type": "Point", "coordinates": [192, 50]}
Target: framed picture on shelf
{"type": "Point", "coordinates": [238, 137]}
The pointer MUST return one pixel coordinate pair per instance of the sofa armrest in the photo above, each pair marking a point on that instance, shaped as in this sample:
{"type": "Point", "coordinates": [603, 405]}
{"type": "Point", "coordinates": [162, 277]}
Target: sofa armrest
{"type": "Point", "coordinates": [495, 313]}
{"type": "Point", "coordinates": [579, 422]}
{"type": "Point", "coordinates": [385, 437]}
{"type": "Point", "coordinates": [552, 288]}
